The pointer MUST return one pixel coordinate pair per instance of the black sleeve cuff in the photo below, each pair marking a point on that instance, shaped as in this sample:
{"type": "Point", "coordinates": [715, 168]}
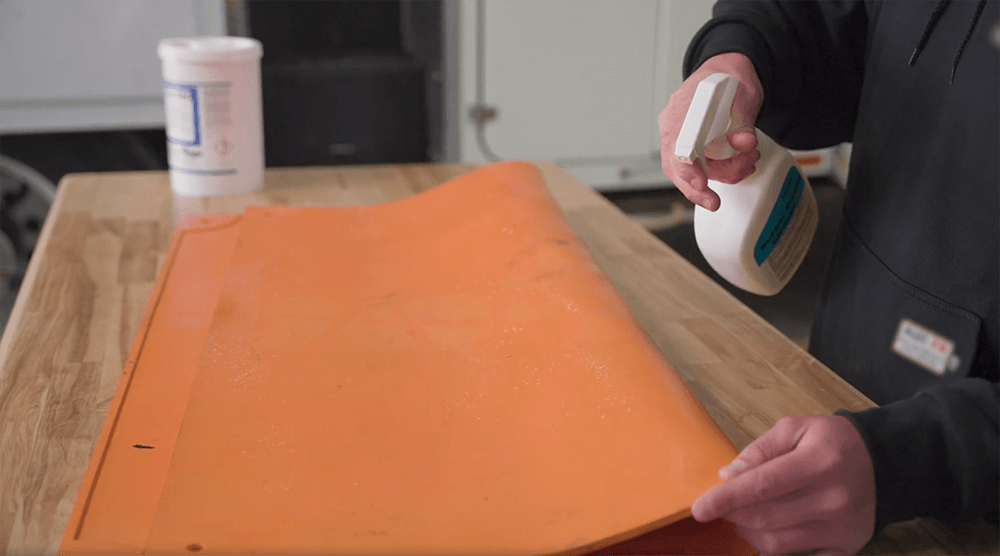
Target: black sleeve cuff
{"type": "Point", "coordinates": [731, 33]}
{"type": "Point", "coordinates": [936, 454]}
{"type": "Point", "coordinates": [722, 35]}
{"type": "Point", "coordinates": [809, 57]}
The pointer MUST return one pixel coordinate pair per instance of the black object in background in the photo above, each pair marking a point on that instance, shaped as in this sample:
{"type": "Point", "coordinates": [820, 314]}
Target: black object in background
{"type": "Point", "coordinates": [346, 82]}
{"type": "Point", "coordinates": [295, 29]}
{"type": "Point", "coordinates": [350, 110]}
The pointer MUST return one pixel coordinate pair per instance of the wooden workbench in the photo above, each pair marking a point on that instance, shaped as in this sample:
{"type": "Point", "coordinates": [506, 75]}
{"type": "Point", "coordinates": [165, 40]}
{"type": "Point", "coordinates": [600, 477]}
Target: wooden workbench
{"type": "Point", "coordinates": [64, 347]}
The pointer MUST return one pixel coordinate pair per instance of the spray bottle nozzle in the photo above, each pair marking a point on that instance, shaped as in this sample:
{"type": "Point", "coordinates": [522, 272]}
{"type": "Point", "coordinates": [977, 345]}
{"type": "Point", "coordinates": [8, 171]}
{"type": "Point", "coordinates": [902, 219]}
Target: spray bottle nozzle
{"type": "Point", "coordinates": [707, 118]}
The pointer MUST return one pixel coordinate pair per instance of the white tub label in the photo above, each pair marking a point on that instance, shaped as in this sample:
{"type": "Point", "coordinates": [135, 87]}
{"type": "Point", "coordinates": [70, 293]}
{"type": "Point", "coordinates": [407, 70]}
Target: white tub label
{"type": "Point", "coordinates": [925, 348]}
{"type": "Point", "coordinates": [200, 127]}
{"type": "Point", "coordinates": [181, 104]}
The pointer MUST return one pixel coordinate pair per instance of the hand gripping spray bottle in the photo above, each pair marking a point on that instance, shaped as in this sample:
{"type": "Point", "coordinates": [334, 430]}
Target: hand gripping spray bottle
{"type": "Point", "coordinates": [764, 225]}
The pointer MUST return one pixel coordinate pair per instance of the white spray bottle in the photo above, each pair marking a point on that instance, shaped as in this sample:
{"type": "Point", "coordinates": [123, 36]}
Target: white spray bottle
{"type": "Point", "coordinates": [764, 225]}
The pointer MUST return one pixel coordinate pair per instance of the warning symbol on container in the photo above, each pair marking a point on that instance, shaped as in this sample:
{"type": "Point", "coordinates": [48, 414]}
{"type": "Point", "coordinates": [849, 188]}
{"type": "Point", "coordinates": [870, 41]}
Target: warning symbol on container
{"type": "Point", "coordinates": [223, 146]}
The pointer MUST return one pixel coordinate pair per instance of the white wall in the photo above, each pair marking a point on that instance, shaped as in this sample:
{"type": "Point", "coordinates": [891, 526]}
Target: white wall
{"type": "Point", "coordinates": [77, 65]}
{"type": "Point", "coordinates": [578, 81]}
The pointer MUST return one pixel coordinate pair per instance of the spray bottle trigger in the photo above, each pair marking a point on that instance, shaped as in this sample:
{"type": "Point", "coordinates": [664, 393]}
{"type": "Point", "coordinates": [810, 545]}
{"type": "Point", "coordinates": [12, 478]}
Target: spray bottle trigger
{"type": "Point", "coordinates": [707, 118]}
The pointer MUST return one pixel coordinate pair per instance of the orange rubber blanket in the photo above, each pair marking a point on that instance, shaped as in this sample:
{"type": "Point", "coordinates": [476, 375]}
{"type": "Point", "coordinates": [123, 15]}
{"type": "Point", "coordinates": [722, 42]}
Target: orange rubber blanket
{"type": "Point", "coordinates": [446, 374]}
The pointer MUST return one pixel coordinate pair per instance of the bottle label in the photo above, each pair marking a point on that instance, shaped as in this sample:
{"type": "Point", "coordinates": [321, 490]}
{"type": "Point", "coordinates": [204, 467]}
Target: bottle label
{"type": "Point", "coordinates": [181, 104]}
{"type": "Point", "coordinates": [781, 215]}
{"type": "Point", "coordinates": [200, 140]}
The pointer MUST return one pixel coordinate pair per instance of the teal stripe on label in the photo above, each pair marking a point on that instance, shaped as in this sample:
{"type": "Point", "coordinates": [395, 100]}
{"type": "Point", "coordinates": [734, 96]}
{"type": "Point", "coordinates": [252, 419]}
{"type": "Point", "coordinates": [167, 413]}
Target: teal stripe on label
{"type": "Point", "coordinates": [784, 208]}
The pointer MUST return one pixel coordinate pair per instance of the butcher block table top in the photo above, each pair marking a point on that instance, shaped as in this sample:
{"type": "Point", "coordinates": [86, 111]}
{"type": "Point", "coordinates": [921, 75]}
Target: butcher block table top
{"type": "Point", "coordinates": [88, 282]}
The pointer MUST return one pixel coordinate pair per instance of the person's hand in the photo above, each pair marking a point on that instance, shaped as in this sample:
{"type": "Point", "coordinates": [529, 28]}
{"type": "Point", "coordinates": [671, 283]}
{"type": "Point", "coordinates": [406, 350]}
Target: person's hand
{"type": "Point", "coordinates": [691, 178]}
{"type": "Point", "coordinates": [805, 484]}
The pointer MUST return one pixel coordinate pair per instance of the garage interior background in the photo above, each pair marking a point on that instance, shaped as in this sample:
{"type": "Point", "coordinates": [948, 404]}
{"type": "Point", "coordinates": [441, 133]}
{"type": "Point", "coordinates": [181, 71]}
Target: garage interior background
{"type": "Point", "coordinates": [350, 82]}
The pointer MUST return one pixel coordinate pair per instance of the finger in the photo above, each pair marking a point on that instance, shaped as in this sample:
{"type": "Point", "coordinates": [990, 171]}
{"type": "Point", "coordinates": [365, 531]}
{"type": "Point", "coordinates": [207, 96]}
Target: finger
{"type": "Point", "coordinates": [774, 478]}
{"type": "Point", "coordinates": [691, 180]}
{"type": "Point", "coordinates": [780, 439]}
{"type": "Point", "coordinates": [692, 175]}
{"type": "Point", "coordinates": [808, 537]}
{"type": "Point", "coordinates": [787, 511]}
{"type": "Point", "coordinates": [735, 169]}
{"type": "Point", "coordinates": [743, 139]}
{"type": "Point", "coordinates": [707, 199]}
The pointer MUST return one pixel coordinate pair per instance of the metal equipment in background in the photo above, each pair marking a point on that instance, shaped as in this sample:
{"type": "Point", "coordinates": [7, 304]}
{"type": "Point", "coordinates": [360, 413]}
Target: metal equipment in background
{"type": "Point", "coordinates": [25, 197]}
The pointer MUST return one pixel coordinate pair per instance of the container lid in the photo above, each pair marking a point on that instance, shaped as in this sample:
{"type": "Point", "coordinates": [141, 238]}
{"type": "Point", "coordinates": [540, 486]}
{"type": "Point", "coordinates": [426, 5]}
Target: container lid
{"type": "Point", "coordinates": [209, 49]}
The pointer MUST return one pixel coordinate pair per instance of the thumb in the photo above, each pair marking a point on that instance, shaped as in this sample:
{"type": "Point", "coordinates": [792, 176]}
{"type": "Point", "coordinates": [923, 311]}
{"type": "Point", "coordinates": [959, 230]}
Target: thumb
{"type": "Point", "coordinates": [746, 102]}
{"type": "Point", "coordinates": [743, 115]}
{"type": "Point", "coordinates": [779, 440]}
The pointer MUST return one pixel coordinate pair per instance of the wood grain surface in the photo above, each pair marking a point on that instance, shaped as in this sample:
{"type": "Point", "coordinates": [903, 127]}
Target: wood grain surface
{"type": "Point", "coordinates": [64, 347]}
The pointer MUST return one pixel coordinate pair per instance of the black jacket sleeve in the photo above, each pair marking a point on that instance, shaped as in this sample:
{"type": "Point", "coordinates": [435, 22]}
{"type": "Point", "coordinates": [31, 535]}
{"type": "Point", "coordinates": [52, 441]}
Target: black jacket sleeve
{"type": "Point", "coordinates": [809, 57]}
{"type": "Point", "coordinates": [938, 453]}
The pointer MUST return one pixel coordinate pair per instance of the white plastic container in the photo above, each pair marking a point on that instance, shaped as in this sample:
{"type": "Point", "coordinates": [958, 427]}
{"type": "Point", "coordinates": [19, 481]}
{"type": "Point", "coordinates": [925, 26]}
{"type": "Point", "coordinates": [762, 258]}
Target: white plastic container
{"type": "Point", "coordinates": [212, 98]}
{"type": "Point", "coordinates": [765, 224]}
